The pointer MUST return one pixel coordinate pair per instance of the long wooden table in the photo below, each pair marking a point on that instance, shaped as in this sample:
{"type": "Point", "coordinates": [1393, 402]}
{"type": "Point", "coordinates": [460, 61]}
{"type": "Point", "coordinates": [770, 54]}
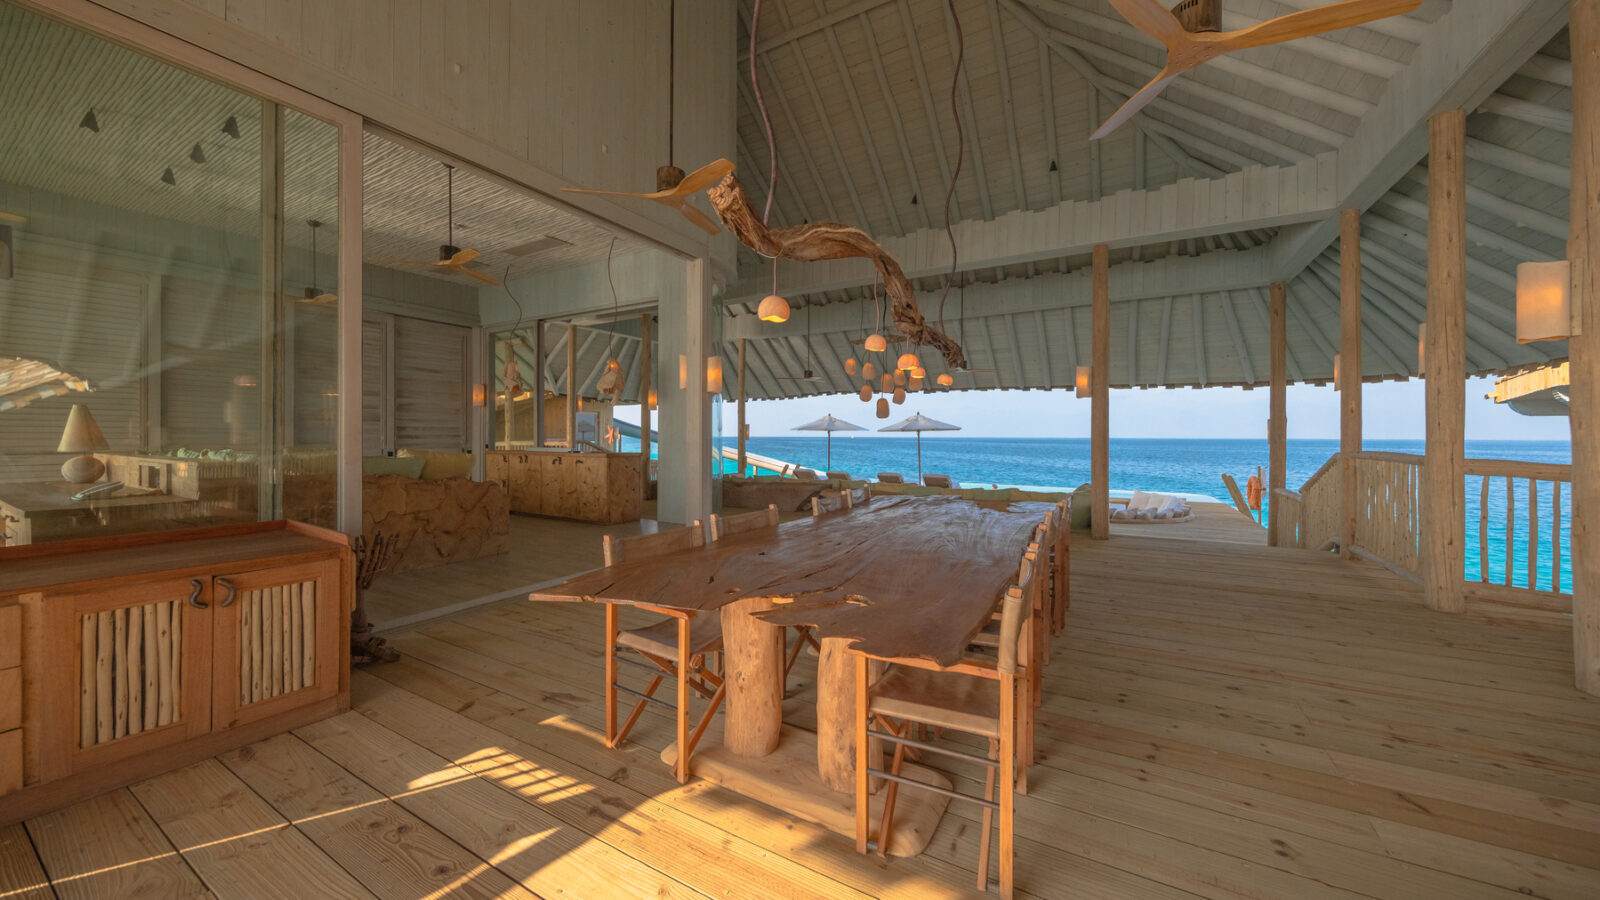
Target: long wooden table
{"type": "Point", "coordinates": [902, 577]}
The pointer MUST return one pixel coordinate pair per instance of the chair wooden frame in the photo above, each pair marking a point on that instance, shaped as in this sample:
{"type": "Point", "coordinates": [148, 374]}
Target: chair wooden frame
{"type": "Point", "coordinates": [688, 669]}
{"type": "Point", "coordinates": [1001, 764]}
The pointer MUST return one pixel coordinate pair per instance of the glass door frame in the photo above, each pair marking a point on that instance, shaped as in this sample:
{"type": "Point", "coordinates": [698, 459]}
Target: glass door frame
{"type": "Point", "coordinates": [137, 36]}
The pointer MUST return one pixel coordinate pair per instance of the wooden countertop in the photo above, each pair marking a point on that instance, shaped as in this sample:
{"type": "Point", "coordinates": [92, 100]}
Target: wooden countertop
{"type": "Point", "coordinates": [41, 566]}
{"type": "Point", "coordinates": [904, 577]}
{"type": "Point", "coordinates": [56, 496]}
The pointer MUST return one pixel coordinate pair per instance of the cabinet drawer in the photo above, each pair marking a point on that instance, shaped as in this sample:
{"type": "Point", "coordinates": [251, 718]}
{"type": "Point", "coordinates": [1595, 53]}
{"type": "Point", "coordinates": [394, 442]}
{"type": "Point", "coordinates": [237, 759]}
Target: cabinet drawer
{"type": "Point", "coordinates": [10, 636]}
{"type": "Point", "coordinates": [10, 762]}
{"type": "Point", "coordinates": [10, 699]}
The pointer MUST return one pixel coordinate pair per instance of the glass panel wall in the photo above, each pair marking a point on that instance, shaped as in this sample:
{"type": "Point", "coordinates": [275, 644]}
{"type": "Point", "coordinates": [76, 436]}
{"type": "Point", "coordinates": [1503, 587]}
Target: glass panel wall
{"type": "Point", "coordinates": [158, 367]}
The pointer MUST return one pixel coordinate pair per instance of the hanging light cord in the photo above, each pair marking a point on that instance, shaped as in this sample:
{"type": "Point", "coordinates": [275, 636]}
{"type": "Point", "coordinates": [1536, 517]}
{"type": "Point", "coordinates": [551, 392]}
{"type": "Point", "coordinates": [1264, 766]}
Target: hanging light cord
{"type": "Point", "coordinates": [766, 119]}
{"type": "Point", "coordinates": [616, 309]}
{"type": "Point", "coordinates": [961, 148]}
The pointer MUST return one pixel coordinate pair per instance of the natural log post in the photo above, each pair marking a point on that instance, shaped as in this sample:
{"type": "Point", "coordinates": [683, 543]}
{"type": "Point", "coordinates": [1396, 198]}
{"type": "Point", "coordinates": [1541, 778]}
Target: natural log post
{"type": "Point", "coordinates": [572, 387]}
{"type": "Point", "coordinates": [1349, 373]}
{"type": "Point", "coordinates": [646, 382]}
{"type": "Point", "coordinates": [1100, 394]}
{"type": "Point", "coordinates": [754, 679]}
{"type": "Point", "coordinates": [1443, 528]}
{"type": "Point", "coordinates": [742, 459]}
{"type": "Point", "coordinates": [536, 391]}
{"type": "Point", "coordinates": [1278, 421]}
{"type": "Point", "coordinates": [1583, 250]}
{"type": "Point", "coordinates": [836, 710]}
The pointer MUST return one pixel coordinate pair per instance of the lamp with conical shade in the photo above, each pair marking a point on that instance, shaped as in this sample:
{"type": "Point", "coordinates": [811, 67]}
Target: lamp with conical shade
{"type": "Point", "coordinates": [82, 436]}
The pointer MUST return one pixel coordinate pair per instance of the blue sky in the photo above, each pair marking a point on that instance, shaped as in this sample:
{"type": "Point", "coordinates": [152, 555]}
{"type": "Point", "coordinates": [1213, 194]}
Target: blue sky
{"type": "Point", "coordinates": [1392, 411]}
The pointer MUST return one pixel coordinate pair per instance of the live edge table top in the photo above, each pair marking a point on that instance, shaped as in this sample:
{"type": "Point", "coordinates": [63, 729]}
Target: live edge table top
{"type": "Point", "coordinates": [908, 577]}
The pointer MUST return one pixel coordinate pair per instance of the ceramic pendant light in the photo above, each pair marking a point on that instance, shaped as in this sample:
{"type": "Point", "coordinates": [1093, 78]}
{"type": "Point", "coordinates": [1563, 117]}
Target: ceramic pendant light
{"type": "Point", "coordinates": [869, 371]}
{"type": "Point", "coordinates": [866, 393]}
{"type": "Point", "coordinates": [899, 396]}
{"type": "Point", "coordinates": [850, 366]}
{"type": "Point", "coordinates": [883, 408]}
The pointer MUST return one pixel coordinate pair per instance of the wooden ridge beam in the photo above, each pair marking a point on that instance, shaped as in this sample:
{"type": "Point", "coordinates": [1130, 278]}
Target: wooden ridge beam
{"type": "Point", "coordinates": [1464, 57]}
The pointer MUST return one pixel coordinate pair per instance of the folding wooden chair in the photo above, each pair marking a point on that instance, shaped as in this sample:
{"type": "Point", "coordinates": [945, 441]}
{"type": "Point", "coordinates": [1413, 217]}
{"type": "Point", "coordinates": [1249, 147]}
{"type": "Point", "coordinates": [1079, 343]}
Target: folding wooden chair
{"type": "Point", "coordinates": [975, 696]}
{"type": "Point", "coordinates": [677, 647]}
{"type": "Point", "coordinates": [723, 526]}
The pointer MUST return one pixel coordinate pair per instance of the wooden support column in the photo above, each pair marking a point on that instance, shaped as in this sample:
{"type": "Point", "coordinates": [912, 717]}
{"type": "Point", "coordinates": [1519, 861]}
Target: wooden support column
{"type": "Point", "coordinates": [1278, 420]}
{"type": "Point", "coordinates": [1443, 526]}
{"type": "Point", "coordinates": [754, 679]}
{"type": "Point", "coordinates": [1349, 373]}
{"type": "Point", "coordinates": [1099, 391]}
{"type": "Point", "coordinates": [742, 460]}
{"type": "Point", "coordinates": [572, 386]}
{"type": "Point", "coordinates": [836, 710]}
{"type": "Point", "coordinates": [1583, 249]}
{"type": "Point", "coordinates": [537, 390]}
{"type": "Point", "coordinates": [647, 380]}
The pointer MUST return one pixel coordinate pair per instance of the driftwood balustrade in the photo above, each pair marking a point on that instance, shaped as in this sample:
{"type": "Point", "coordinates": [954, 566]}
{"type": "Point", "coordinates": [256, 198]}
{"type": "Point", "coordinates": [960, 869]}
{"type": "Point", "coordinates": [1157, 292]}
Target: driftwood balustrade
{"type": "Point", "coordinates": [371, 560]}
{"type": "Point", "coordinates": [1389, 511]}
{"type": "Point", "coordinates": [830, 240]}
{"type": "Point", "coordinates": [1534, 539]}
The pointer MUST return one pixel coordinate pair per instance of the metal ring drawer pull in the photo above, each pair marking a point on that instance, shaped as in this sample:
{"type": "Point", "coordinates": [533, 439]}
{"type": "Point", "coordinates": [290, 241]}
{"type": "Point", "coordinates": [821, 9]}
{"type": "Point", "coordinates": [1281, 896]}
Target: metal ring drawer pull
{"type": "Point", "coordinates": [194, 594]}
{"type": "Point", "coordinates": [227, 599]}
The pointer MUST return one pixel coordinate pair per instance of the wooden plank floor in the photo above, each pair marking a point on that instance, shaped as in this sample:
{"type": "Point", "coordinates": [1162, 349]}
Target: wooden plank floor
{"type": "Point", "coordinates": [1222, 720]}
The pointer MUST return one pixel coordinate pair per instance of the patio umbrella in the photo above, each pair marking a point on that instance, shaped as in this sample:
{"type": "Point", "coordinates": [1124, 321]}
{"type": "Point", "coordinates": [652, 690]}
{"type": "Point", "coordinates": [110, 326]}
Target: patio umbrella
{"type": "Point", "coordinates": [829, 423]}
{"type": "Point", "coordinates": [920, 423]}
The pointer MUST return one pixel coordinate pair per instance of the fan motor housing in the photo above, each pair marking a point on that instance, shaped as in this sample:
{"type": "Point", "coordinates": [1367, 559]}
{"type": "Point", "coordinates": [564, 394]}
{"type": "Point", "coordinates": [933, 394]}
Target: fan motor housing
{"type": "Point", "coordinates": [1199, 15]}
{"type": "Point", "coordinates": [446, 251]}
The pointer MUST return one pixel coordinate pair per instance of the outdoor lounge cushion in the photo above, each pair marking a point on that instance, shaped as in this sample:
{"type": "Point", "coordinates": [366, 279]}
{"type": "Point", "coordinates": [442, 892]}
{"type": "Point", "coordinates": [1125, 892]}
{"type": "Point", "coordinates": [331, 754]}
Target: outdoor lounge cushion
{"type": "Point", "coordinates": [1081, 499]}
{"type": "Point", "coordinates": [807, 475]}
{"type": "Point", "coordinates": [834, 475]}
{"type": "Point", "coordinates": [437, 464]}
{"type": "Point", "coordinates": [410, 467]}
{"type": "Point", "coordinates": [943, 481]}
{"type": "Point", "coordinates": [891, 478]}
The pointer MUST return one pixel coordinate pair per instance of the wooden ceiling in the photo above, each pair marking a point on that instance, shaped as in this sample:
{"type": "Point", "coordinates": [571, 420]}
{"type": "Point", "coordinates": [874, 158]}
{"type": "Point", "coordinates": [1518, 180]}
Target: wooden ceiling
{"type": "Point", "coordinates": [151, 118]}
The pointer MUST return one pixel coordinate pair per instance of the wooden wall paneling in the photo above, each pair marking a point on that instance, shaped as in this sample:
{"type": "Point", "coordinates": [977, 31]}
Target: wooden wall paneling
{"type": "Point", "coordinates": [432, 394]}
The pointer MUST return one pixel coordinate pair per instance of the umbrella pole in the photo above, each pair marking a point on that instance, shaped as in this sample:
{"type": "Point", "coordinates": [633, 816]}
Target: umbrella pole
{"type": "Point", "coordinates": [919, 457]}
{"type": "Point", "coordinates": [830, 450]}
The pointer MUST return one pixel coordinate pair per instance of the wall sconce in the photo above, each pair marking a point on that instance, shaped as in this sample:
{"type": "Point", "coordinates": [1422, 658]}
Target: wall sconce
{"type": "Point", "coordinates": [683, 372]}
{"type": "Point", "coordinates": [650, 398]}
{"type": "Point", "coordinates": [1422, 349]}
{"type": "Point", "coordinates": [713, 374]}
{"type": "Point", "coordinates": [1081, 382]}
{"type": "Point", "coordinates": [480, 395]}
{"type": "Point", "coordinates": [1545, 311]}
{"type": "Point", "coordinates": [1336, 371]}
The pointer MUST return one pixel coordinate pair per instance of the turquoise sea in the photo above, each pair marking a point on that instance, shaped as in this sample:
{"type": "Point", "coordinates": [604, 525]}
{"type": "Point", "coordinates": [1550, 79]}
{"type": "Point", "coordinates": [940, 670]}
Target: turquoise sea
{"type": "Point", "coordinates": [1175, 466]}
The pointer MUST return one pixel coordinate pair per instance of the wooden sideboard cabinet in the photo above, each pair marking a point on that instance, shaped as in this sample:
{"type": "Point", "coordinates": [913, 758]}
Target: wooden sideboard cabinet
{"type": "Point", "coordinates": [594, 487]}
{"type": "Point", "coordinates": [144, 653]}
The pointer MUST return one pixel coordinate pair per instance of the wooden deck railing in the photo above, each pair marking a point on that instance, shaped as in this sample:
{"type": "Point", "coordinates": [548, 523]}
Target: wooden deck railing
{"type": "Point", "coordinates": [1389, 511]}
{"type": "Point", "coordinates": [1524, 561]}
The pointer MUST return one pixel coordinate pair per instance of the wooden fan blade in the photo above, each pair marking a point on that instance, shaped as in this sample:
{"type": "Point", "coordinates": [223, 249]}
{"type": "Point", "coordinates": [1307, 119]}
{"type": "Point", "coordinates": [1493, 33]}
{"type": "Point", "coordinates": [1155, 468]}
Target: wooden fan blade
{"type": "Point", "coordinates": [408, 262]}
{"type": "Point", "coordinates": [462, 257]}
{"type": "Point", "coordinates": [1308, 22]}
{"type": "Point", "coordinates": [703, 177]}
{"type": "Point", "coordinates": [11, 217]}
{"type": "Point", "coordinates": [706, 223]}
{"type": "Point", "coordinates": [1154, 19]}
{"type": "Point", "coordinates": [1137, 102]}
{"type": "Point", "coordinates": [655, 196]}
{"type": "Point", "coordinates": [470, 273]}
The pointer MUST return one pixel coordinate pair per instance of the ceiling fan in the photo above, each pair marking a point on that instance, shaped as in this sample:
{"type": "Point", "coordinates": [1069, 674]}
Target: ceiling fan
{"type": "Point", "coordinates": [452, 258]}
{"type": "Point", "coordinates": [809, 374]}
{"type": "Point", "coordinates": [677, 197]}
{"type": "Point", "coordinates": [1191, 32]}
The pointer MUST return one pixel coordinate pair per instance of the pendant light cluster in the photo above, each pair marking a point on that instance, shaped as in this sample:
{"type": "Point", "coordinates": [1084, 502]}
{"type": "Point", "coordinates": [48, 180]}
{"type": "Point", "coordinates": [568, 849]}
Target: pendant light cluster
{"type": "Point", "coordinates": [894, 380]}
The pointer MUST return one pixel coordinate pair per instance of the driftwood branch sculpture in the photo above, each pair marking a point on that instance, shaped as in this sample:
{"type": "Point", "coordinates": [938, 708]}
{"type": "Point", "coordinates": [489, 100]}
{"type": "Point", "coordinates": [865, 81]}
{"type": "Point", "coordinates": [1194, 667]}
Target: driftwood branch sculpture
{"type": "Point", "coordinates": [831, 240]}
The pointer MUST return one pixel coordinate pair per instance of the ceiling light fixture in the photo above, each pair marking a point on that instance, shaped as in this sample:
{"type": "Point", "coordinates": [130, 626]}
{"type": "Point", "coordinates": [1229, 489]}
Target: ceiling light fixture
{"type": "Point", "coordinates": [197, 155]}
{"type": "Point", "coordinates": [169, 178]}
{"type": "Point", "coordinates": [229, 128]}
{"type": "Point", "coordinates": [774, 308]}
{"type": "Point", "coordinates": [89, 121]}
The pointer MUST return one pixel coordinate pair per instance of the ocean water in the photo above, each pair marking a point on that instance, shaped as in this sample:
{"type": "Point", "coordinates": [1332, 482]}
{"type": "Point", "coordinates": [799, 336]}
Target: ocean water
{"type": "Point", "coordinates": [1183, 466]}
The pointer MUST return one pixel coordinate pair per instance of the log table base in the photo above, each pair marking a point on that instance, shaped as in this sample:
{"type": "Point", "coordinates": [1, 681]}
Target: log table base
{"type": "Point", "coordinates": [787, 779]}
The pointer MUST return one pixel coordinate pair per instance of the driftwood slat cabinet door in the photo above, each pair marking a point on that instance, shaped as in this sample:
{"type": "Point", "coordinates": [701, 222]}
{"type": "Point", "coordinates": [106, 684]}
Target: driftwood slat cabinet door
{"type": "Point", "coordinates": [130, 673]}
{"type": "Point", "coordinates": [276, 641]}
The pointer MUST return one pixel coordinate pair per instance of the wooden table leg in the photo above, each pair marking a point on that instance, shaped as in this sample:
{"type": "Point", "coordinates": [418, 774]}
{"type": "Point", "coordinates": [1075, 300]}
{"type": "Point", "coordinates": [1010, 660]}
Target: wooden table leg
{"type": "Point", "coordinates": [836, 711]}
{"type": "Point", "coordinates": [754, 679]}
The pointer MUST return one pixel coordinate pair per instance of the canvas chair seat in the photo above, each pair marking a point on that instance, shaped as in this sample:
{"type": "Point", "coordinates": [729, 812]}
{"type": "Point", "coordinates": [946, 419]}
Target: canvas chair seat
{"type": "Point", "coordinates": [661, 639]}
{"type": "Point", "coordinates": [946, 699]}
